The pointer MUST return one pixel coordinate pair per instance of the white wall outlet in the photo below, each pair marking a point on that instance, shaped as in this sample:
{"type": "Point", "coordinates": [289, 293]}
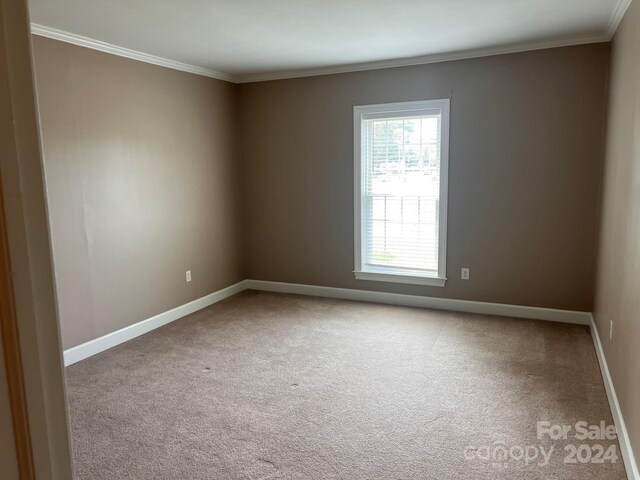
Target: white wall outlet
{"type": "Point", "coordinates": [188, 276]}
{"type": "Point", "coordinates": [465, 274]}
{"type": "Point", "coordinates": [610, 329]}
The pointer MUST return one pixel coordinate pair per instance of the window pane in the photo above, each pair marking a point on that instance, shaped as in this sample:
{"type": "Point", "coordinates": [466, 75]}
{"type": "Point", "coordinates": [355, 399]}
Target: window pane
{"type": "Point", "coordinates": [401, 194]}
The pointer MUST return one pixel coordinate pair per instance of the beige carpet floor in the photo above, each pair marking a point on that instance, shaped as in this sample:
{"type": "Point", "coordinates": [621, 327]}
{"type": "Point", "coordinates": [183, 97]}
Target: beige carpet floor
{"type": "Point", "coordinates": [272, 386]}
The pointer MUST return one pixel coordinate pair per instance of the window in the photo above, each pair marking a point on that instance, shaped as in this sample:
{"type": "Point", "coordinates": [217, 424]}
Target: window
{"type": "Point", "coordinates": [401, 157]}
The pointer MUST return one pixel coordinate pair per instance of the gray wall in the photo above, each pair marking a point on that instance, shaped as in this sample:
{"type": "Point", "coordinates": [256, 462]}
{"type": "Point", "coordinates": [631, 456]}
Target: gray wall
{"type": "Point", "coordinates": [526, 149]}
{"type": "Point", "coordinates": [618, 278]}
{"type": "Point", "coordinates": [143, 184]}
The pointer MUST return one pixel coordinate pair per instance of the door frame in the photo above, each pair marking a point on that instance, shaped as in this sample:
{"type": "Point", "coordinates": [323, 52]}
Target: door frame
{"type": "Point", "coordinates": [13, 359]}
{"type": "Point", "coordinates": [30, 344]}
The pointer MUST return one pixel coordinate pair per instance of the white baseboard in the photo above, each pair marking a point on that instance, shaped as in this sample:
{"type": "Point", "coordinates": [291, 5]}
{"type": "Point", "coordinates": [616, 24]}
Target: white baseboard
{"type": "Point", "coordinates": [110, 340]}
{"type": "Point", "coordinates": [565, 316]}
{"type": "Point", "coordinates": [101, 344]}
{"type": "Point", "coordinates": [623, 436]}
{"type": "Point", "coordinates": [105, 342]}
{"type": "Point", "coordinates": [538, 313]}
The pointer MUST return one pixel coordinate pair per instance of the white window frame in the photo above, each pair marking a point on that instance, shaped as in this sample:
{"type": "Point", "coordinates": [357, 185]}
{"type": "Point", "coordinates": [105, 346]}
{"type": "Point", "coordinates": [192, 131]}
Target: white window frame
{"type": "Point", "coordinates": [400, 109]}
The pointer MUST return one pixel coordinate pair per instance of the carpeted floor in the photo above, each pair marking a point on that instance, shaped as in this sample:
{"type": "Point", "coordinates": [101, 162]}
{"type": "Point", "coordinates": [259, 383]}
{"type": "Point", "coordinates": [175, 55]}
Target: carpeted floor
{"type": "Point", "coordinates": [272, 386]}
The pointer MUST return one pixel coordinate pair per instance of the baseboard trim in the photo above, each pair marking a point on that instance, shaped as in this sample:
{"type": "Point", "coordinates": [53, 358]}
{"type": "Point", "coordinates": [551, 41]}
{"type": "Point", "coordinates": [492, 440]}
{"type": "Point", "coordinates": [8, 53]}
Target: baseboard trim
{"type": "Point", "coordinates": [537, 313]}
{"type": "Point", "coordinates": [110, 340]}
{"type": "Point", "coordinates": [623, 435]}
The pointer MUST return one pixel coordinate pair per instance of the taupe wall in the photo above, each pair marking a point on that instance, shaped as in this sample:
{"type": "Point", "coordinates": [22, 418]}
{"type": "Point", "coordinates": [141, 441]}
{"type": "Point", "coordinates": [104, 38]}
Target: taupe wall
{"type": "Point", "coordinates": [618, 278]}
{"type": "Point", "coordinates": [526, 149]}
{"type": "Point", "coordinates": [143, 184]}
{"type": "Point", "coordinates": [151, 172]}
{"type": "Point", "coordinates": [145, 181]}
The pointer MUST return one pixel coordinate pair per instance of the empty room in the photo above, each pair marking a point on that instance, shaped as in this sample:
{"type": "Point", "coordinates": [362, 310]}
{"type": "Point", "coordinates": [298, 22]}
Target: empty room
{"type": "Point", "coordinates": [358, 240]}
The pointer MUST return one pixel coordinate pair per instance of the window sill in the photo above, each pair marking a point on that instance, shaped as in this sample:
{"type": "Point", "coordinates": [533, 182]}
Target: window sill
{"type": "Point", "coordinates": [410, 279]}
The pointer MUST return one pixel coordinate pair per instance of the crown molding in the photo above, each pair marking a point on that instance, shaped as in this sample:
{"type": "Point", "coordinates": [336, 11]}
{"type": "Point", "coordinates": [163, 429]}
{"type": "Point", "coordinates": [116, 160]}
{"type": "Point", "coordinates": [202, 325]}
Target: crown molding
{"type": "Point", "coordinates": [426, 59]}
{"type": "Point", "coordinates": [87, 42]}
{"type": "Point", "coordinates": [616, 17]}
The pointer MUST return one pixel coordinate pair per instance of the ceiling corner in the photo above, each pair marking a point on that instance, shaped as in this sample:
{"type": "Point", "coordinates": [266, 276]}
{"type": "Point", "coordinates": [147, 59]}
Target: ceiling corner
{"type": "Point", "coordinates": [616, 17]}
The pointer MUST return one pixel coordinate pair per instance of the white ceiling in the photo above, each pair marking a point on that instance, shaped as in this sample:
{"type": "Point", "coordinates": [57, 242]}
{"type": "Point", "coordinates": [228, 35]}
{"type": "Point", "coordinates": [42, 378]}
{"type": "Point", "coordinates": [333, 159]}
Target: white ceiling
{"type": "Point", "coordinates": [244, 40]}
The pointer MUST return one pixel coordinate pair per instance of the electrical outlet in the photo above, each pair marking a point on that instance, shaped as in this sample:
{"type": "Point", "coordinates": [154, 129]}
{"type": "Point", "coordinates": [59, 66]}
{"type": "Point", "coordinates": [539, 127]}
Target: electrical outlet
{"type": "Point", "coordinates": [188, 276]}
{"type": "Point", "coordinates": [611, 330]}
{"type": "Point", "coordinates": [465, 274]}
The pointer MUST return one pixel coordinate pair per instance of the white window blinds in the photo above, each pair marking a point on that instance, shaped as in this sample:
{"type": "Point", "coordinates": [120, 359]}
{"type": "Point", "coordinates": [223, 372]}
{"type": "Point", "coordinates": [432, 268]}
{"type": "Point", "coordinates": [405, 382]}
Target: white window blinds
{"type": "Point", "coordinates": [401, 191]}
